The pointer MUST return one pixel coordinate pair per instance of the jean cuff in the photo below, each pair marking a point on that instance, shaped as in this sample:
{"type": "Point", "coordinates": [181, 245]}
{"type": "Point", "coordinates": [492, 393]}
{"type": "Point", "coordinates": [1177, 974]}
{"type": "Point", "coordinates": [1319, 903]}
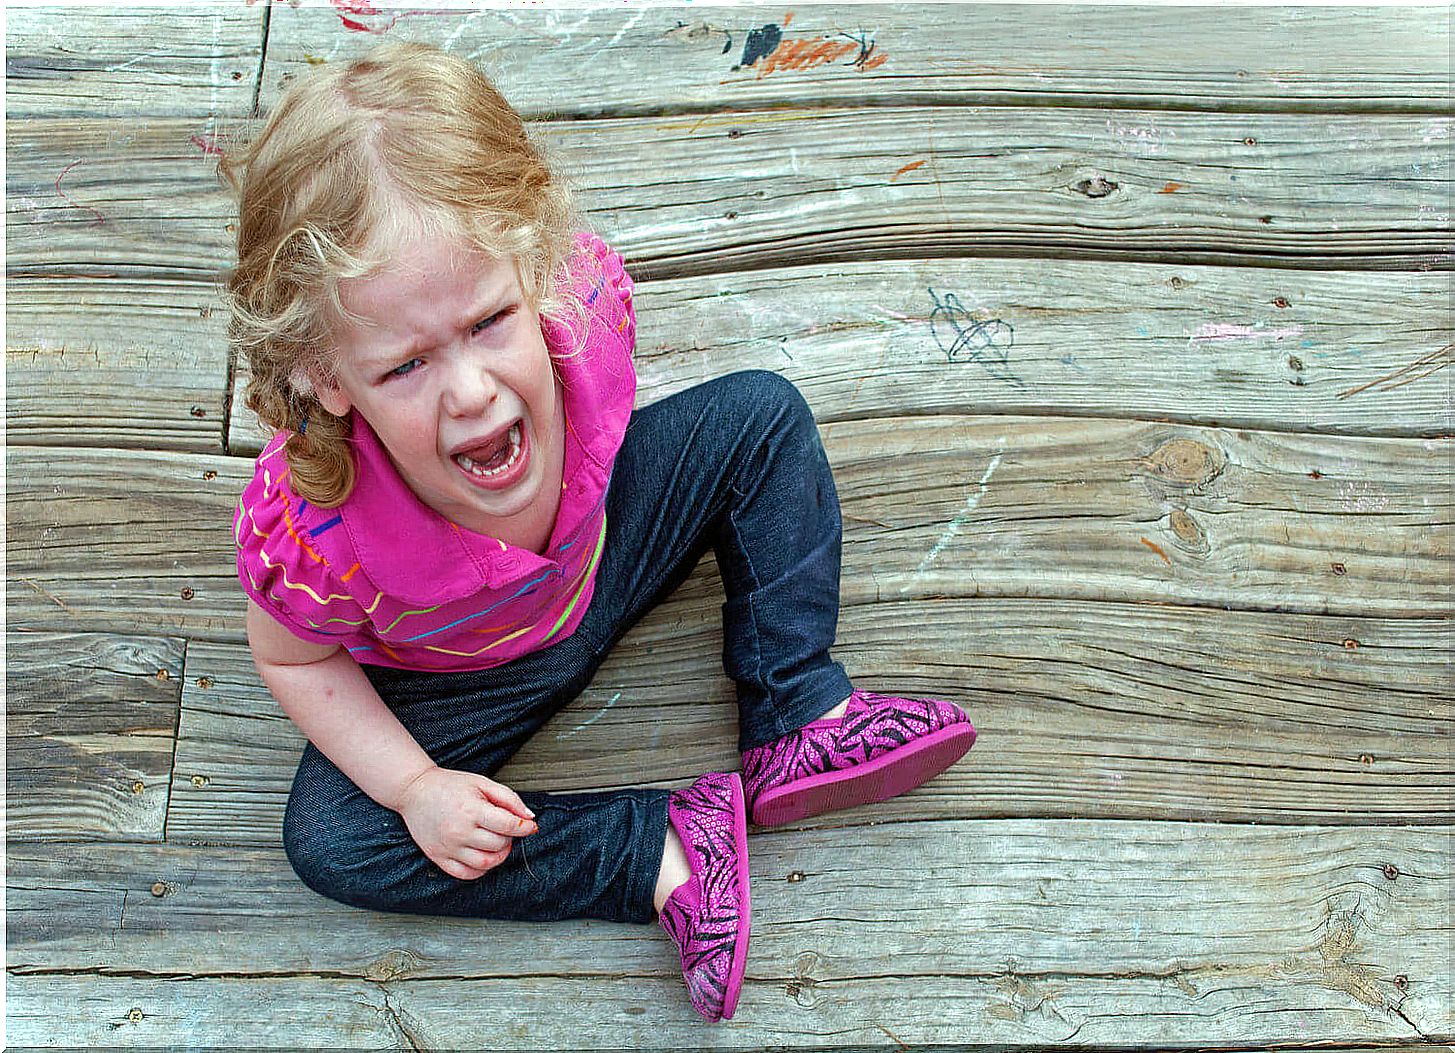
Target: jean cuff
{"type": "Point", "coordinates": [831, 689]}
{"type": "Point", "coordinates": [642, 882]}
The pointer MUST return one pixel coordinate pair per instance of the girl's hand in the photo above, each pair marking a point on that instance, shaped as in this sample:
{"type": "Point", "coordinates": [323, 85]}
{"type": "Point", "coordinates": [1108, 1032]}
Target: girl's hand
{"type": "Point", "coordinates": [464, 823]}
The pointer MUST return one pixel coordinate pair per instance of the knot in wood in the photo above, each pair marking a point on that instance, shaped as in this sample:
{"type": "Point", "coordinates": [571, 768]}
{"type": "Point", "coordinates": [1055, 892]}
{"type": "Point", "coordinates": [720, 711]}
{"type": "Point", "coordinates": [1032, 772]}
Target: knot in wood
{"type": "Point", "coordinates": [393, 966]}
{"type": "Point", "coordinates": [159, 889]}
{"type": "Point", "coordinates": [1187, 530]}
{"type": "Point", "coordinates": [1186, 462]}
{"type": "Point", "coordinates": [1096, 186]}
{"type": "Point", "coordinates": [200, 781]}
{"type": "Point", "coordinates": [1391, 871]}
{"type": "Point", "coordinates": [1351, 644]}
{"type": "Point", "coordinates": [795, 877]}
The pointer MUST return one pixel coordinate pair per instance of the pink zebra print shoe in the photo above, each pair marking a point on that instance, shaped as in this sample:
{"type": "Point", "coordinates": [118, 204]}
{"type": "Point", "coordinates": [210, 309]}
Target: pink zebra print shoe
{"type": "Point", "coordinates": [880, 748]}
{"type": "Point", "coordinates": [710, 915]}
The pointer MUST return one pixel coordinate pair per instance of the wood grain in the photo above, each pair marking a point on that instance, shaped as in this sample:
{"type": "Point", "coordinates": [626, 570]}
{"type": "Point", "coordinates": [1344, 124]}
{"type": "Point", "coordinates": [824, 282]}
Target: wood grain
{"type": "Point", "coordinates": [934, 507]}
{"type": "Point", "coordinates": [1017, 930]}
{"type": "Point", "coordinates": [743, 191]}
{"type": "Point", "coordinates": [199, 61]}
{"type": "Point", "coordinates": [1333, 351]}
{"type": "Point", "coordinates": [115, 363]}
{"type": "Point", "coordinates": [1084, 710]}
{"type": "Point", "coordinates": [90, 728]}
{"type": "Point", "coordinates": [578, 63]}
{"type": "Point", "coordinates": [106, 198]}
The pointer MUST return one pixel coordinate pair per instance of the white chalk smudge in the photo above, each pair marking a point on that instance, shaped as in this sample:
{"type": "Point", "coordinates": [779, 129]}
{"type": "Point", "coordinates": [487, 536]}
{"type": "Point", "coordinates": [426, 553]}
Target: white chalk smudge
{"type": "Point", "coordinates": [1223, 331]}
{"type": "Point", "coordinates": [450, 40]}
{"type": "Point", "coordinates": [593, 719]}
{"type": "Point", "coordinates": [957, 524]}
{"type": "Point", "coordinates": [624, 29]}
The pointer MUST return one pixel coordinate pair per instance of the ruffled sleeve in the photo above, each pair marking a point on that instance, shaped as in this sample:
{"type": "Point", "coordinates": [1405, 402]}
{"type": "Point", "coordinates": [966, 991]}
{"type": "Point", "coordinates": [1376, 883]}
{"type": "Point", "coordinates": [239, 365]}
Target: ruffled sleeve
{"type": "Point", "coordinates": [598, 278]}
{"type": "Point", "coordinates": [278, 564]}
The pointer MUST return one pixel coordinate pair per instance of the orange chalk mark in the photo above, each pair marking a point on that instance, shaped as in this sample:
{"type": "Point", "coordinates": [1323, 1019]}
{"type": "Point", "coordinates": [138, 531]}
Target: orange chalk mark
{"type": "Point", "coordinates": [803, 54]}
{"type": "Point", "coordinates": [877, 60]}
{"type": "Point", "coordinates": [1170, 188]}
{"type": "Point", "coordinates": [788, 18]}
{"type": "Point", "coordinates": [907, 168]}
{"type": "Point", "coordinates": [1157, 550]}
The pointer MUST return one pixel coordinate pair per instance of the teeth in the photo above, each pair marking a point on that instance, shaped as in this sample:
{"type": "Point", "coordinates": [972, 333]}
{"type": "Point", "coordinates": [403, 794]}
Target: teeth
{"type": "Point", "coordinates": [484, 473]}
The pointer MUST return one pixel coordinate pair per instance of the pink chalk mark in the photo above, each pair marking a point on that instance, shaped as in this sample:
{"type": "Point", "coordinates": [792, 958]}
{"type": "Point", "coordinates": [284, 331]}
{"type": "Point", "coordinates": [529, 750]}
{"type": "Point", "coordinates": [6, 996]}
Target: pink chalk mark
{"type": "Point", "coordinates": [207, 143]}
{"type": "Point", "coordinates": [358, 7]}
{"type": "Point", "coordinates": [99, 217]}
{"type": "Point", "coordinates": [1223, 331]}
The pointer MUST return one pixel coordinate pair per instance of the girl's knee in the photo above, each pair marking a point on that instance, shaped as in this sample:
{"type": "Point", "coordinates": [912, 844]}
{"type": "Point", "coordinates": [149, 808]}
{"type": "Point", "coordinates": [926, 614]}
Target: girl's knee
{"type": "Point", "coordinates": [765, 395]}
{"type": "Point", "coordinates": [330, 862]}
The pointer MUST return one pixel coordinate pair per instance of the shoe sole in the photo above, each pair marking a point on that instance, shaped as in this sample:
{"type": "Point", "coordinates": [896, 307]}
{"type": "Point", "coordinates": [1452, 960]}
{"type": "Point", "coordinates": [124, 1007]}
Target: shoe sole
{"type": "Point", "coordinates": [890, 775]}
{"type": "Point", "coordinates": [734, 985]}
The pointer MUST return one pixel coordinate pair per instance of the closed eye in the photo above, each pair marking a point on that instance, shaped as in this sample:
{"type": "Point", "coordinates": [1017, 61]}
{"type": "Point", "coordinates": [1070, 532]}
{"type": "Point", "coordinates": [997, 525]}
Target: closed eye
{"type": "Point", "coordinates": [485, 323]}
{"type": "Point", "coordinates": [406, 369]}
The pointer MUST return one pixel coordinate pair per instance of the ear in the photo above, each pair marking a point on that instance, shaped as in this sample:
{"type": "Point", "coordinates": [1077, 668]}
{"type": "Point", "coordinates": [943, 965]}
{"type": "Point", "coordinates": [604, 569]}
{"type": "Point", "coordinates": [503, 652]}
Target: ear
{"type": "Point", "coordinates": [326, 389]}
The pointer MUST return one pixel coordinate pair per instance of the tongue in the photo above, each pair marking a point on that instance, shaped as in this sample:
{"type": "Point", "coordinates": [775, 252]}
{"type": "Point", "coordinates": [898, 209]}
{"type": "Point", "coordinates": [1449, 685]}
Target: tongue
{"type": "Point", "coordinates": [495, 455]}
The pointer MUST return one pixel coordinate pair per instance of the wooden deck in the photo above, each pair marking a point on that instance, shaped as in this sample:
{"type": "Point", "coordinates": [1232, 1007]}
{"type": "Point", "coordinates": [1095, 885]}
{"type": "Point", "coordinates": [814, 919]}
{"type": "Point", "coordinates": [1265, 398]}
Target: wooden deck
{"type": "Point", "coordinates": [1128, 331]}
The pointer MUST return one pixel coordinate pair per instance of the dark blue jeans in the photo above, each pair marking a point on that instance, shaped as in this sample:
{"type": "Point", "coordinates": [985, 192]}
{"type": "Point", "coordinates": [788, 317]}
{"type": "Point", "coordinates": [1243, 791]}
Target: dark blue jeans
{"type": "Point", "coordinates": [734, 465]}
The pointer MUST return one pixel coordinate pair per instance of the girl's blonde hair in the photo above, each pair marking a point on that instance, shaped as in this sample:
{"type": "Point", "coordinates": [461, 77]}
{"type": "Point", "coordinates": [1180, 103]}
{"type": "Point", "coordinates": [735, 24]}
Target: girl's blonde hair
{"type": "Point", "coordinates": [355, 157]}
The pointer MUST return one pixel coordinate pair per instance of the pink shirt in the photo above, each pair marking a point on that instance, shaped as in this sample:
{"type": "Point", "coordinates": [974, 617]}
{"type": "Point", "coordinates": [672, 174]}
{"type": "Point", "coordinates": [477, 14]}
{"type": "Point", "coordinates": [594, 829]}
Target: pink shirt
{"type": "Point", "coordinates": [398, 584]}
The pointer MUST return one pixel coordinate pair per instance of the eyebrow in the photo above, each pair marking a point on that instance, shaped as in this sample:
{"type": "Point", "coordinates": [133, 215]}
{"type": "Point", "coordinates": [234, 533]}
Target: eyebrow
{"type": "Point", "coordinates": [484, 307]}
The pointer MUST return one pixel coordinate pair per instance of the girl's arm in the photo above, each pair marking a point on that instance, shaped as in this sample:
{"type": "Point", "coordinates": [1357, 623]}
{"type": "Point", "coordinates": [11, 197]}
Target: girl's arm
{"type": "Point", "coordinates": [463, 822]}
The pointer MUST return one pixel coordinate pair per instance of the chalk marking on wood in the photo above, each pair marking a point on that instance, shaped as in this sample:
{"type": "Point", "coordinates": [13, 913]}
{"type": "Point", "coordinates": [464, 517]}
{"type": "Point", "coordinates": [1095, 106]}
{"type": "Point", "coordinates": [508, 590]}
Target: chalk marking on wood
{"type": "Point", "coordinates": [450, 40]}
{"type": "Point", "coordinates": [1157, 549]}
{"type": "Point", "coordinates": [623, 30]}
{"type": "Point", "coordinates": [1224, 331]}
{"type": "Point", "coordinates": [1434, 360]}
{"type": "Point", "coordinates": [95, 212]}
{"type": "Point", "coordinates": [971, 503]}
{"type": "Point", "coordinates": [54, 599]}
{"type": "Point", "coordinates": [594, 718]}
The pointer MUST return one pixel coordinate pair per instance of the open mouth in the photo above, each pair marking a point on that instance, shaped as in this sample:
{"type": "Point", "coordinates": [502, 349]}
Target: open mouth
{"type": "Point", "coordinates": [495, 458]}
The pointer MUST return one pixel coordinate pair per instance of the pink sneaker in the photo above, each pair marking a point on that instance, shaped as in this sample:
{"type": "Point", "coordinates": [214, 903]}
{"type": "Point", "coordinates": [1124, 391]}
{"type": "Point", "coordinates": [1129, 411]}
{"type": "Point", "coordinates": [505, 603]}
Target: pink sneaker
{"type": "Point", "coordinates": [709, 916]}
{"type": "Point", "coordinates": [881, 747]}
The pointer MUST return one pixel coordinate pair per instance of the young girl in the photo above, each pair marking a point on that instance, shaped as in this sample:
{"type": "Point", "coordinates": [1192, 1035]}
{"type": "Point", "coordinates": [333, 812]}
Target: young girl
{"type": "Point", "coordinates": [460, 514]}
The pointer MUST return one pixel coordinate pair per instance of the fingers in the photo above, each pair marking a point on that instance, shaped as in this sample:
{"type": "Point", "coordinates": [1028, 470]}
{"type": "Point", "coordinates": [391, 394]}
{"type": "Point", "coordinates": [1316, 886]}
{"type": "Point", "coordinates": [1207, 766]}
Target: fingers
{"type": "Point", "coordinates": [506, 798]}
{"type": "Point", "coordinates": [470, 863]}
{"type": "Point", "coordinates": [501, 822]}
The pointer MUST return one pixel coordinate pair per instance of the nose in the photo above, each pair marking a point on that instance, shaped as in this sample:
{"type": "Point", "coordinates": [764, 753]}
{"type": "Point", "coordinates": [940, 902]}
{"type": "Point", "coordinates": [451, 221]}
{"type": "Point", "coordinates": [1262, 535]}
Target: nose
{"type": "Point", "coordinates": [469, 388]}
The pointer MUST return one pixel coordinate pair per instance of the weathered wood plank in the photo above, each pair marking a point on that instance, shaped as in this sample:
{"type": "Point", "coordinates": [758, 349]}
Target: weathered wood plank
{"type": "Point", "coordinates": [1083, 710]}
{"type": "Point", "coordinates": [90, 726]}
{"type": "Point", "coordinates": [741, 191]}
{"type": "Point", "coordinates": [1019, 930]}
{"type": "Point", "coordinates": [203, 61]}
{"type": "Point", "coordinates": [1245, 347]}
{"type": "Point", "coordinates": [115, 363]}
{"type": "Point", "coordinates": [643, 61]}
{"type": "Point", "coordinates": [106, 198]}
{"type": "Point", "coordinates": [1051, 507]}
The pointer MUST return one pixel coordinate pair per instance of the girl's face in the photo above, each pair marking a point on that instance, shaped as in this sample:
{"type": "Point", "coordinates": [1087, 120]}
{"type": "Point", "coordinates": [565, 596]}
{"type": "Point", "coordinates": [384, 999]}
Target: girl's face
{"type": "Point", "coordinates": [446, 362]}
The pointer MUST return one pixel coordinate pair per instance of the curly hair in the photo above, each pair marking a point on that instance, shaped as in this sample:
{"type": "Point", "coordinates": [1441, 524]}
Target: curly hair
{"type": "Point", "coordinates": [355, 157]}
